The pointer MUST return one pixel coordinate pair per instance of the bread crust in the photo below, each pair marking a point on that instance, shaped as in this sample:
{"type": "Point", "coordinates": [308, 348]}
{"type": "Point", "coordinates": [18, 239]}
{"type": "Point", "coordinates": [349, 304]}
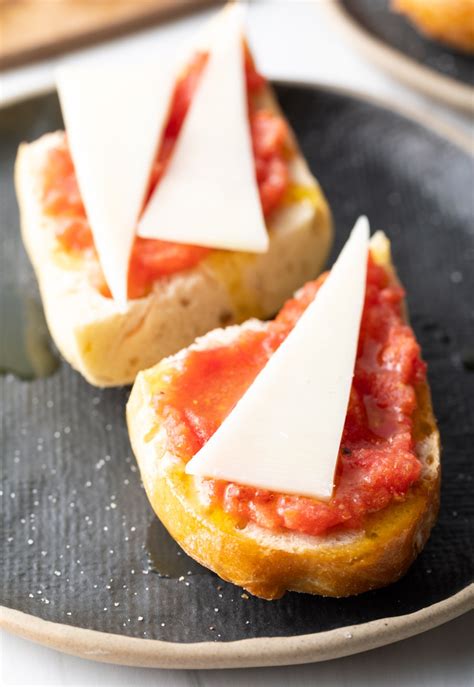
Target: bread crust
{"type": "Point", "coordinates": [447, 21]}
{"type": "Point", "coordinates": [109, 347]}
{"type": "Point", "coordinates": [265, 563]}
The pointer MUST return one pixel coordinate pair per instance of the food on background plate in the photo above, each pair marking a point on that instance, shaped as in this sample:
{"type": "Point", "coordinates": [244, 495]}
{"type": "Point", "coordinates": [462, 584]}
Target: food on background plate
{"type": "Point", "coordinates": [448, 21]}
{"type": "Point", "coordinates": [155, 219]}
{"type": "Point", "coordinates": [285, 455]}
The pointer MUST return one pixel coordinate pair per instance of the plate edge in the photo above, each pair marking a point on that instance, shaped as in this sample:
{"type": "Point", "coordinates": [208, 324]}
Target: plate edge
{"type": "Point", "coordinates": [434, 124]}
{"type": "Point", "coordinates": [244, 653]}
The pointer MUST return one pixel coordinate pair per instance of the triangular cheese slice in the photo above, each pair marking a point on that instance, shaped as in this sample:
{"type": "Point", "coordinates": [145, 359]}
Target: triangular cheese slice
{"type": "Point", "coordinates": [114, 118]}
{"type": "Point", "coordinates": [209, 194]}
{"type": "Point", "coordinates": [285, 432]}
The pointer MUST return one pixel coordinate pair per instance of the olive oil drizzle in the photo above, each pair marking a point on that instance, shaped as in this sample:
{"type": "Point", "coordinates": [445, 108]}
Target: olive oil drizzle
{"type": "Point", "coordinates": [26, 349]}
{"type": "Point", "coordinates": [166, 558]}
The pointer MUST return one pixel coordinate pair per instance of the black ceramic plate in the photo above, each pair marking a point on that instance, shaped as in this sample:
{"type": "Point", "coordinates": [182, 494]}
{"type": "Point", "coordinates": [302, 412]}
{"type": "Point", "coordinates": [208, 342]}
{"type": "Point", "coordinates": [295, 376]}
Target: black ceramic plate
{"type": "Point", "coordinates": [75, 519]}
{"type": "Point", "coordinates": [393, 42]}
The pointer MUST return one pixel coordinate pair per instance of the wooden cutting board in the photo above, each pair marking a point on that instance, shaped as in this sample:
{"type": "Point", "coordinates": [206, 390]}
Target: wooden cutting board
{"type": "Point", "coordinates": [35, 29]}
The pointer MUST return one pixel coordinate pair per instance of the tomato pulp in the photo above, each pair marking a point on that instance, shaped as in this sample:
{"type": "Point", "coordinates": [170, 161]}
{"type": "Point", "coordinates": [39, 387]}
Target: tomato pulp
{"type": "Point", "coordinates": [152, 259]}
{"type": "Point", "coordinates": [377, 460]}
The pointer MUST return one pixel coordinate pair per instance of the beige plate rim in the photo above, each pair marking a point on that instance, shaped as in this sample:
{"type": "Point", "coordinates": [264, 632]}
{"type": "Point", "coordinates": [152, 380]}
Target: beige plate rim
{"type": "Point", "coordinates": [404, 68]}
{"type": "Point", "coordinates": [261, 651]}
{"type": "Point", "coordinates": [244, 653]}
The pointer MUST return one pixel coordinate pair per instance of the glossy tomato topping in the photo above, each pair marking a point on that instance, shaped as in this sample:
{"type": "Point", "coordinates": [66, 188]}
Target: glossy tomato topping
{"type": "Point", "coordinates": [377, 460]}
{"type": "Point", "coordinates": [152, 259]}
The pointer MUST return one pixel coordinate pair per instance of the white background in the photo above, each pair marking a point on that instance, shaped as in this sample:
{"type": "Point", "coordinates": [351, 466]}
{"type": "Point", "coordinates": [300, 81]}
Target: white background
{"type": "Point", "coordinates": [290, 39]}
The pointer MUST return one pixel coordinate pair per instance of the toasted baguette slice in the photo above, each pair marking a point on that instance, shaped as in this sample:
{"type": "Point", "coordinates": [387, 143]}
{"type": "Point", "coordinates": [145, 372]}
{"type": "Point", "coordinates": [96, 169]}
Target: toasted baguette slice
{"type": "Point", "coordinates": [109, 347]}
{"type": "Point", "coordinates": [266, 563]}
{"type": "Point", "coordinates": [448, 21]}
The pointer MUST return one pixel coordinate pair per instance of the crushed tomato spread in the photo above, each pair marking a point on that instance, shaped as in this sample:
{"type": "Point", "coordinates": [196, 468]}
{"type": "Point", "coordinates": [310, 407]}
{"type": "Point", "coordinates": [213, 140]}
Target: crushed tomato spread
{"type": "Point", "coordinates": [377, 461]}
{"type": "Point", "coordinates": [152, 258]}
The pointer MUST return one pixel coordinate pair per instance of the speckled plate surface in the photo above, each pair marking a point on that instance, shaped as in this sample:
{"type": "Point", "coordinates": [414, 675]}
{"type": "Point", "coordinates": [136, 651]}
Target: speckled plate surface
{"type": "Point", "coordinates": [76, 524]}
{"type": "Point", "coordinates": [393, 43]}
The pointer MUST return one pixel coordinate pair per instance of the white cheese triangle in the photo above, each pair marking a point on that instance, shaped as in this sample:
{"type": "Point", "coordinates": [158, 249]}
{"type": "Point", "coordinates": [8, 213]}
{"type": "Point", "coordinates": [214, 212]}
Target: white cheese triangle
{"type": "Point", "coordinates": [284, 434]}
{"type": "Point", "coordinates": [114, 118]}
{"type": "Point", "coordinates": [209, 194]}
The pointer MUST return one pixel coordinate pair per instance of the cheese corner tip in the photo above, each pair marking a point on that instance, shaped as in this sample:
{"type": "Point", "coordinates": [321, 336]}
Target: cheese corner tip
{"type": "Point", "coordinates": [362, 227]}
{"type": "Point", "coordinates": [190, 467]}
{"type": "Point", "coordinates": [235, 9]}
{"type": "Point", "coordinates": [122, 305]}
{"type": "Point", "coordinates": [119, 296]}
{"type": "Point", "coordinates": [264, 244]}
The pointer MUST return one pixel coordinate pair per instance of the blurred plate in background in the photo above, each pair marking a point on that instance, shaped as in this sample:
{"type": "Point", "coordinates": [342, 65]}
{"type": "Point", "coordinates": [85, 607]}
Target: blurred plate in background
{"type": "Point", "coordinates": [391, 42]}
